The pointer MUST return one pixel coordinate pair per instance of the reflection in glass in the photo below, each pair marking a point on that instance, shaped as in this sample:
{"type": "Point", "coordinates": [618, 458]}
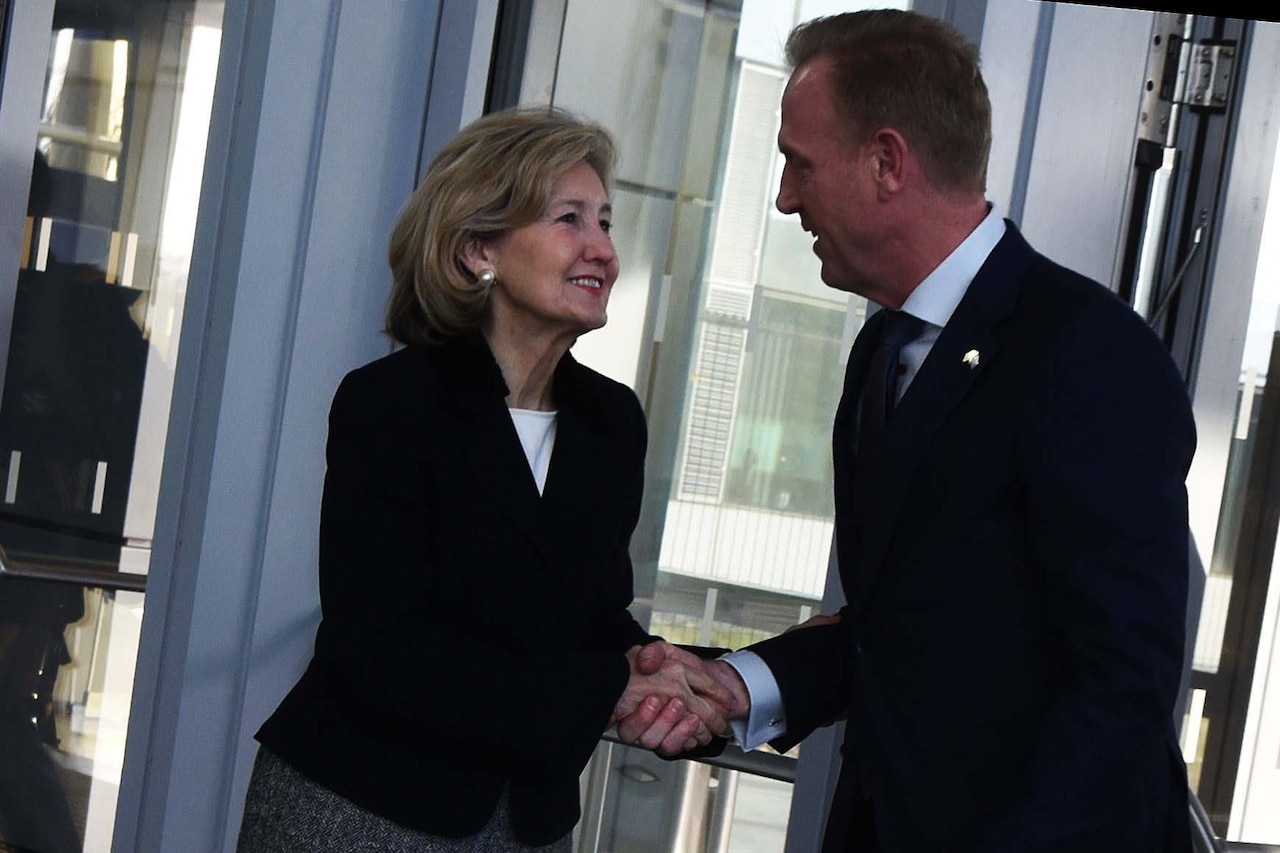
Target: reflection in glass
{"type": "Point", "coordinates": [117, 158]}
{"type": "Point", "coordinates": [34, 808]}
{"type": "Point", "coordinates": [66, 671]}
{"type": "Point", "coordinates": [117, 151]}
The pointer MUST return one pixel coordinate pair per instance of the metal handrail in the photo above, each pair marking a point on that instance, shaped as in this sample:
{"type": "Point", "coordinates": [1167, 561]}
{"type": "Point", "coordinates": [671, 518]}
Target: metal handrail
{"type": "Point", "coordinates": [783, 769]}
{"type": "Point", "coordinates": [52, 569]}
{"type": "Point", "coordinates": [755, 762]}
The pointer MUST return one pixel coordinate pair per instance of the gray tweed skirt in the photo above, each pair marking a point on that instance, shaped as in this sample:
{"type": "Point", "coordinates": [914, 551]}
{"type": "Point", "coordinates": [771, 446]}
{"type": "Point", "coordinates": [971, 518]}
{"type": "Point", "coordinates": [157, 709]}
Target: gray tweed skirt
{"type": "Point", "coordinates": [285, 812]}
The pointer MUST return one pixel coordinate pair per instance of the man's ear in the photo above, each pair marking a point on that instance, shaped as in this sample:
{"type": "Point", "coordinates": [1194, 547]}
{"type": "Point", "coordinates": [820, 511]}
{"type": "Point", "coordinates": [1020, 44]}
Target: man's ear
{"type": "Point", "coordinates": [478, 255]}
{"type": "Point", "coordinates": [889, 155]}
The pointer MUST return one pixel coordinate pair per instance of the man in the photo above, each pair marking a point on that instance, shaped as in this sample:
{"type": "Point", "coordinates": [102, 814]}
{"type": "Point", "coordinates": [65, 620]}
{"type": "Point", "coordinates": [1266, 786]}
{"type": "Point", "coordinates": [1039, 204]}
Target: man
{"type": "Point", "coordinates": [1012, 541]}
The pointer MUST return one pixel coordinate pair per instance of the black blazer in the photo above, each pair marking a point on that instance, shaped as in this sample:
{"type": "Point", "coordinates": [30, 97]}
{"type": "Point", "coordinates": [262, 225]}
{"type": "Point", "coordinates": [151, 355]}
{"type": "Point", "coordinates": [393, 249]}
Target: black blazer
{"type": "Point", "coordinates": [1011, 651]}
{"type": "Point", "coordinates": [472, 631]}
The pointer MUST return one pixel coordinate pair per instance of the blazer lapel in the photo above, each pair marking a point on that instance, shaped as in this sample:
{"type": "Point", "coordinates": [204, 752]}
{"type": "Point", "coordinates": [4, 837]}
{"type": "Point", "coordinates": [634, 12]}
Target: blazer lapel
{"type": "Point", "coordinates": [486, 438]}
{"type": "Point", "coordinates": [964, 351]}
{"type": "Point", "coordinates": [580, 479]}
{"type": "Point", "coordinates": [845, 431]}
{"type": "Point", "coordinates": [584, 479]}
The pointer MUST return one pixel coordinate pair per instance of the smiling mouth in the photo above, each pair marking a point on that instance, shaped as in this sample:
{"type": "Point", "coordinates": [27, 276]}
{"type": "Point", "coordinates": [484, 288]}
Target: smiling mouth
{"type": "Point", "coordinates": [588, 282]}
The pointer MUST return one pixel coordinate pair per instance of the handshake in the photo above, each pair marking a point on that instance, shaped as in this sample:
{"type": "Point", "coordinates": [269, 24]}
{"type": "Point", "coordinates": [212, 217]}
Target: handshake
{"type": "Point", "coordinates": [676, 701]}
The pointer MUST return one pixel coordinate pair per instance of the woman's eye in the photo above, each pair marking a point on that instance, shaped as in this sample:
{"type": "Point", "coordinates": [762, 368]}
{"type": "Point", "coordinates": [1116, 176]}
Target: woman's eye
{"type": "Point", "coordinates": [606, 226]}
{"type": "Point", "coordinates": [567, 218]}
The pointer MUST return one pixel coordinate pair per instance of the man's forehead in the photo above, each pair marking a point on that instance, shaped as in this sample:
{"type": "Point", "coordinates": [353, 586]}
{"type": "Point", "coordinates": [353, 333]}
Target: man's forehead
{"type": "Point", "coordinates": [803, 73]}
{"type": "Point", "coordinates": [810, 84]}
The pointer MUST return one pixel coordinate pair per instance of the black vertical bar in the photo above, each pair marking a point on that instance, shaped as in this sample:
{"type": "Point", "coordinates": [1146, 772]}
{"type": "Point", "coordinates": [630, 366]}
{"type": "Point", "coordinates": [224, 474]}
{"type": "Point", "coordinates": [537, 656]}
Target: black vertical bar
{"type": "Point", "coordinates": [4, 41]}
{"type": "Point", "coordinates": [511, 42]}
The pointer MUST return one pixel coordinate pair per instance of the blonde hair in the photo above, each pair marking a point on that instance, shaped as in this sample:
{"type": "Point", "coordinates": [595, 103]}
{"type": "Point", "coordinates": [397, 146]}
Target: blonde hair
{"type": "Point", "coordinates": [495, 175]}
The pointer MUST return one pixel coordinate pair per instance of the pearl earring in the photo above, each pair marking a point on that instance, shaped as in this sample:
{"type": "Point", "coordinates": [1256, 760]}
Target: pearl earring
{"type": "Point", "coordinates": [488, 278]}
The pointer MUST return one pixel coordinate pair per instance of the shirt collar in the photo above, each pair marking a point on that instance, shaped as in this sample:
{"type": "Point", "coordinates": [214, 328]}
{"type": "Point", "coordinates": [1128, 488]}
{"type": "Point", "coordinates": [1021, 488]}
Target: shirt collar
{"type": "Point", "coordinates": [935, 299]}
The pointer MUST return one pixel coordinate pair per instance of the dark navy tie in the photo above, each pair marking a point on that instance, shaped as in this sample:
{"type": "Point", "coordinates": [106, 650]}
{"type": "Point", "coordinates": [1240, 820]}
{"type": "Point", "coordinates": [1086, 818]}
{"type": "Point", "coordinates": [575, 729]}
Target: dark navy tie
{"type": "Point", "coordinates": [880, 389]}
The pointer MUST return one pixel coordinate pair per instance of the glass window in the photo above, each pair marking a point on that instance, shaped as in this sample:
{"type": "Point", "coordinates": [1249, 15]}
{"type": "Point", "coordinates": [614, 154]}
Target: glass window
{"type": "Point", "coordinates": [722, 324]}
{"type": "Point", "coordinates": [116, 143]}
{"type": "Point", "coordinates": [1231, 727]}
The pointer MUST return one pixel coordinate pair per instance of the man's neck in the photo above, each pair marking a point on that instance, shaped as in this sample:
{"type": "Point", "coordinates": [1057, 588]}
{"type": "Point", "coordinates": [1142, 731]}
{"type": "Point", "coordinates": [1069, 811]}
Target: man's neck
{"type": "Point", "coordinates": [941, 223]}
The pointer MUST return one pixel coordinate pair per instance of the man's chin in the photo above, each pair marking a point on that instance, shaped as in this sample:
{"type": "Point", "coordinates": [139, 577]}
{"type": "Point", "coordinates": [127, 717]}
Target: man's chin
{"type": "Point", "coordinates": [836, 281]}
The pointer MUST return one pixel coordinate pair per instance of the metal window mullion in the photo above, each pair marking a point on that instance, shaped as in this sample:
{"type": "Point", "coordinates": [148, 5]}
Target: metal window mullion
{"type": "Point", "coordinates": [25, 60]}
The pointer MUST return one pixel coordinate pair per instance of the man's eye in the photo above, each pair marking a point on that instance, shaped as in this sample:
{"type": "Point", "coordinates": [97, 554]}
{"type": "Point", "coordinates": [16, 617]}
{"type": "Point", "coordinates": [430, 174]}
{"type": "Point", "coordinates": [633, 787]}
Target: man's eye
{"type": "Point", "coordinates": [606, 226]}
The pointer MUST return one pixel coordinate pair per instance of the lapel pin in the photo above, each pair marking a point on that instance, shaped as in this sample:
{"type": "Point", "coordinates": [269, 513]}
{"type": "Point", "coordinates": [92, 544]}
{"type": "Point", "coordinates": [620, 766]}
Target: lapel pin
{"type": "Point", "coordinates": [971, 358]}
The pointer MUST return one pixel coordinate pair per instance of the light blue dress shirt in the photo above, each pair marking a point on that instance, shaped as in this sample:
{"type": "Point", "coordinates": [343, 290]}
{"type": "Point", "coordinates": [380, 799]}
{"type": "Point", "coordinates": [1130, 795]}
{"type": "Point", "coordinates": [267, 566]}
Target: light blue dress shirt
{"type": "Point", "coordinates": [933, 300]}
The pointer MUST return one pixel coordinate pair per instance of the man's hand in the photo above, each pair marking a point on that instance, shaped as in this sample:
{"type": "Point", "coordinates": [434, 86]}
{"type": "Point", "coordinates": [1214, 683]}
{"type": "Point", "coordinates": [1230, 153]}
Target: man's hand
{"type": "Point", "coordinates": [815, 620]}
{"type": "Point", "coordinates": [673, 686]}
{"type": "Point", "coordinates": [664, 726]}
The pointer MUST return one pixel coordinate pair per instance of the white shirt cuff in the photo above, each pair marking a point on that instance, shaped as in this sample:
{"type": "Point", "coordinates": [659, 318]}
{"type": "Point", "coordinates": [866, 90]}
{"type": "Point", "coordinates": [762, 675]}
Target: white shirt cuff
{"type": "Point", "coordinates": [767, 719]}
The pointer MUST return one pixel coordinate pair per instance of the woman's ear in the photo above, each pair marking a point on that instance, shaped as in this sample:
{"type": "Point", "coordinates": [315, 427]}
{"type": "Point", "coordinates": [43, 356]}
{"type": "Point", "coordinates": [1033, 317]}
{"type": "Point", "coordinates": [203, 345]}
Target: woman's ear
{"type": "Point", "coordinates": [478, 255]}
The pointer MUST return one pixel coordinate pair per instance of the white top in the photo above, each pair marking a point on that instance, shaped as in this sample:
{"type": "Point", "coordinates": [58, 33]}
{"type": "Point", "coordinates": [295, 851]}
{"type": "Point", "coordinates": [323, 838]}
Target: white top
{"type": "Point", "coordinates": [934, 300]}
{"type": "Point", "coordinates": [537, 431]}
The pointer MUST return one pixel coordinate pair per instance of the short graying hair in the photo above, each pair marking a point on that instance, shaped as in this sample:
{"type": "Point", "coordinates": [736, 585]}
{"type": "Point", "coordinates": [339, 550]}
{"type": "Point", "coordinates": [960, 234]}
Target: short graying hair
{"type": "Point", "coordinates": [914, 74]}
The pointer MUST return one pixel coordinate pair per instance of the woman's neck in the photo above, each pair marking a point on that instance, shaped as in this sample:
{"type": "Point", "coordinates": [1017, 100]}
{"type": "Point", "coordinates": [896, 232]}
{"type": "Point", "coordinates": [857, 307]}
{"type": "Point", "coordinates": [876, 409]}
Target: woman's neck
{"type": "Point", "coordinates": [528, 365]}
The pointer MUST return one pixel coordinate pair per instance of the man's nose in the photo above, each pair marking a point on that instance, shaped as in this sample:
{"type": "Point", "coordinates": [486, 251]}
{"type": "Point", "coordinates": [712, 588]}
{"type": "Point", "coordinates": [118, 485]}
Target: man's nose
{"type": "Point", "coordinates": [786, 201]}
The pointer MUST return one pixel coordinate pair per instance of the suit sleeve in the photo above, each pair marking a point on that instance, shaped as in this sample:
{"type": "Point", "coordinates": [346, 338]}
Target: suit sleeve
{"type": "Point", "coordinates": [617, 630]}
{"type": "Point", "coordinates": [814, 670]}
{"type": "Point", "coordinates": [389, 649]}
{"type": "Point", "coordinates": [1105, 448]}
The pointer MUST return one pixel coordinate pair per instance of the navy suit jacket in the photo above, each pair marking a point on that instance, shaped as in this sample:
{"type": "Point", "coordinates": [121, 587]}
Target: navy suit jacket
{"type": "Point", "coordinates": [472, 631]}
{"type": "Point", "coordinates": [1016, 577]}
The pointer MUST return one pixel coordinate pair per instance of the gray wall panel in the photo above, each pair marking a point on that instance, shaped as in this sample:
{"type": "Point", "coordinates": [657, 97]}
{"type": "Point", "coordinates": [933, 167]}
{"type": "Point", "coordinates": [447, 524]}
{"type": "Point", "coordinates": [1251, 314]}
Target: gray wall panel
{"type": "Point", "coordinates": [1008, 46]}
{"type": "Point", "coordinates": [1077, 195]}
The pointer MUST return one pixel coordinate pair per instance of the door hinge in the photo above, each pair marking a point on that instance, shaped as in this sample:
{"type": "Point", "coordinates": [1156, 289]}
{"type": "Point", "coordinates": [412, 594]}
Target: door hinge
{"type": "Point", "coordinates": [1165, 78]}
{"type": "Point", "coordinates": [1181, 73]}
{"type": "Point", "coordinates": [1209, 75]}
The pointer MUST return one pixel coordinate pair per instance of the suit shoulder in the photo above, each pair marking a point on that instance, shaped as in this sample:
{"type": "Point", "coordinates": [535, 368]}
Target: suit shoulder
{"type": "Point", "coordinates": [1084, 327]}
{"type": "Point", "coordinates": [1082, 309]}
{"type": "Point", "coordinates": [610, 399]}
{"type": "Point", "coordinates": [399, 380]}
{"type": "Point", "coordinates": [1068, 289]}
{"type": "Point", "coordinates": [393, 366]}
{"type": "Point", "coordinates": [610, 388]}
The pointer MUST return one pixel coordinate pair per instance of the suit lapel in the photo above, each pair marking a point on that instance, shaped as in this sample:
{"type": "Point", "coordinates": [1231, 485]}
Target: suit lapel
{"type": "Point", "coordinates": [580, 480]}
{"type": "Point", "coordinates": [486, 437]}
{"type": "Point", "coordinates": [856, 370]}
{"type": "Point", "coordinates": [946, 377]}
{"type": "Point", "coordinates": [585, 478]}
{"type": "Point", "coordinates": [845, 432]}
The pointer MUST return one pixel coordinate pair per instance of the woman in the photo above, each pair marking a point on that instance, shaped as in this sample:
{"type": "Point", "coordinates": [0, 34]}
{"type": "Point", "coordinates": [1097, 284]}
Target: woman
{"type": "Point", "coordinates": [481, 490]}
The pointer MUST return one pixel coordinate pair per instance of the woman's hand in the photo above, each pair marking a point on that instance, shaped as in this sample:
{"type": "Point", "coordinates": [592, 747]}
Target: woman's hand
{"type": "Point", "coordinates": [675, 700]}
